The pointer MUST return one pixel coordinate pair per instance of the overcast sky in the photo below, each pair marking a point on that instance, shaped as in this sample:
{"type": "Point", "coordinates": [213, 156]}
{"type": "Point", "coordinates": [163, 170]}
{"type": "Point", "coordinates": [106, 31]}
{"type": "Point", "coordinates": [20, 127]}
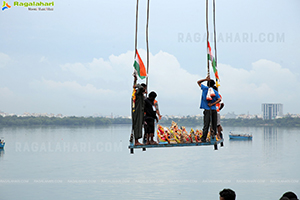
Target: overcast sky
{"type": "Point", "coordinates": [77, 59]}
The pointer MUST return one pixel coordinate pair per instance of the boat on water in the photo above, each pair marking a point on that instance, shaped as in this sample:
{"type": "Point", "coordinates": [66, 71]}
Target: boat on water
{"type": "Point", "coordinates": [2, 144]}
{"type": "Point", "coordinates": [240, 136]}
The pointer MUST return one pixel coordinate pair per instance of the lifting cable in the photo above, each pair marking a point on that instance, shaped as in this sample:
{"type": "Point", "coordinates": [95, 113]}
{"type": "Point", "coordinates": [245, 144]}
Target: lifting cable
{"type": "Point", "coordinates": [215, 35]}
{"type": "Point", "coordinates": [136, 26]}
{"type": "Point", "coordinates": [214, 59]}
{"type": "Point", "coordinates": [207, 37]}
{"type": "Point", "coordinates": [147, 35]}
{"type": "Point", "coordinates": [147, 27]}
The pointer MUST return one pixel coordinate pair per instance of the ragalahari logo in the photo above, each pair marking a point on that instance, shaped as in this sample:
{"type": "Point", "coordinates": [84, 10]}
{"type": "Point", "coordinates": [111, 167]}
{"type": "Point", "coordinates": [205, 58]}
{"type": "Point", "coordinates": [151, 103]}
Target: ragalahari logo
{"type": "Point", "coordinates": [5, 6]}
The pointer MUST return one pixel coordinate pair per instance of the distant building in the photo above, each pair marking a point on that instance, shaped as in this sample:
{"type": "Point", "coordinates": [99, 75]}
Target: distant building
{"type": "Point", "coordinates": [272, 110]}
{"type": "Point", "coordinates": [230, 116]}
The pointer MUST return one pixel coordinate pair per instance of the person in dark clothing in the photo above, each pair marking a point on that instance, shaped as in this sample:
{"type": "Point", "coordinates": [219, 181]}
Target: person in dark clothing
{"type": "Point", "coordinates": [219, 107]}
{"type": "Point", "coordinates": [137, 105]}
{"type": "Point", "coordinates": [209, 99]}
{"type": "Point", "coordinates": [289, 196]}
{"type": "Point", "coordinates": [227, 194]}
{"type": "Point", "coordinates": [150, 116]}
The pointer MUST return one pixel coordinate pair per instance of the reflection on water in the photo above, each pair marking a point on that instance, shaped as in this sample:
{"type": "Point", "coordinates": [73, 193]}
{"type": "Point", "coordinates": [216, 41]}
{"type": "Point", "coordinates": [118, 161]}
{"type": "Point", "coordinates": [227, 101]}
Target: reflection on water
{"type": "Point", "coordinates": [245, 141]}
{"type": "Point", "coordinates": [1, 152]}
{"type": "Point", "coordinates": [270, 139]}
{"type": "Point", "coordinates": [95, 163]}
{"type": "Point", "coordinates": [240, 144]}
{"type": "Point", "coordinates": [270, 132]}
{"type": "Point", "coordinates": [270, 136]}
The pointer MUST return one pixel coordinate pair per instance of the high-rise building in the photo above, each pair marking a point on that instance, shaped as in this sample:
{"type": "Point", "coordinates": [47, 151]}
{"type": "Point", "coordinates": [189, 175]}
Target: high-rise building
{"type": "Point", "coordinates": [272, 110]}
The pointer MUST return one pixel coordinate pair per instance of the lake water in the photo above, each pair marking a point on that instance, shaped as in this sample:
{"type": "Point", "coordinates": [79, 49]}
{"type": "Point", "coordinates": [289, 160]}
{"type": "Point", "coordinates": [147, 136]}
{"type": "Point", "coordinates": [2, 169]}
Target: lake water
{"type": "Point", "coordinates": [95, 163]}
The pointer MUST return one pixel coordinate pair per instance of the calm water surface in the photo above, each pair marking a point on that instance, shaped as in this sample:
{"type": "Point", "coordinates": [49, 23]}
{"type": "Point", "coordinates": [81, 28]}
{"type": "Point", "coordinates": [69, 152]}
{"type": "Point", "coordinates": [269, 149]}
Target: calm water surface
{"type": "Point", "coordinates": [95, 163]}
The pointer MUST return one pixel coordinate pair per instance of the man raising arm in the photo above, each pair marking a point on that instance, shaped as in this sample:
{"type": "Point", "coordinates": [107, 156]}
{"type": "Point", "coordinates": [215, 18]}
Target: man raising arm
{"type": "Point", "coordinates": [208, 103]}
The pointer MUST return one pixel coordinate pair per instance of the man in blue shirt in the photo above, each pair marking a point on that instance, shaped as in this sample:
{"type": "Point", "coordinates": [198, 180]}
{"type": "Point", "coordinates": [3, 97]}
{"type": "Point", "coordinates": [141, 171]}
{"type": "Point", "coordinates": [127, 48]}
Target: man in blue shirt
{"type": "Point", "coordinates": [209, 106]}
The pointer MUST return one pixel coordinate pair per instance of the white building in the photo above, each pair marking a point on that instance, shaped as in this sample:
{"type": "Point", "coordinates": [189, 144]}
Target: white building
{"type": "Point", "coordinates": [272, 110]}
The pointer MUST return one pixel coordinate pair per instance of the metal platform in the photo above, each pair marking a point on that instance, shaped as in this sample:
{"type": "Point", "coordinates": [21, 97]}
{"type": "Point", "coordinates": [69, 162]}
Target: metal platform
{"type": "Point", "coordinates": [163, 145]}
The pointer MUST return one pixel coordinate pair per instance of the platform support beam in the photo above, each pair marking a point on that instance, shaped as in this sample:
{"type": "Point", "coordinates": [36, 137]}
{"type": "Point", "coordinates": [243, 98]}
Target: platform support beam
{"type": "Point", "coordinates": [216, 146]}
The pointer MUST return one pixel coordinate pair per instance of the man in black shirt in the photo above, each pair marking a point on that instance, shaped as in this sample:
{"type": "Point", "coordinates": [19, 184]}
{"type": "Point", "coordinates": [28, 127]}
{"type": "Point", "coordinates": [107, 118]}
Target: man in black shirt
{"type": "Point", "coordinates": [150, 116]}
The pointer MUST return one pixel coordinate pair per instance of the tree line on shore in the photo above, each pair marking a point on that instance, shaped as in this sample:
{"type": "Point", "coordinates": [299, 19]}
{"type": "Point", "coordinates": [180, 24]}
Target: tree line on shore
{"type": "Point", "coordinates": [98, 121]}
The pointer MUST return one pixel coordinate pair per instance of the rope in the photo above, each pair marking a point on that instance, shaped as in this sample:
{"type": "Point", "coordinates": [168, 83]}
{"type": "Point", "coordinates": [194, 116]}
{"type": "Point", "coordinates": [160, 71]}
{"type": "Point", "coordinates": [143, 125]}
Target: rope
{"type": "Point", "coordinates": [147, 35]}
{"type": "Point", "coordinates": [136, 26]}
{"type": "Point", "coordinates": [135, 47]}
{"type": "Point", "coordinates": [215, 35]}
{"type": "Point", "coordinates": [147, 27]}
{"type": "Point", "coordinates": [207, 37]}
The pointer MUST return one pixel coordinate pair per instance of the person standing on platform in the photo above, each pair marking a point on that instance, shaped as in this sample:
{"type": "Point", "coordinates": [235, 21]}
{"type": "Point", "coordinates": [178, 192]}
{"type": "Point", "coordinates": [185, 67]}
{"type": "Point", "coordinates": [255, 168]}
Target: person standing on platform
{"type": "Point", "coordinates": [219, 107]}
{"type": "Point", "coordinates": [150, 117]}
{"type": "Point", "coordinates": [138, 109]}
{"type": "Point", "coordinates": [159, 117]}
{"type": "Point", "coordinates": [157, 109]}
{"type": "Point", "coordinates": [209, 99]}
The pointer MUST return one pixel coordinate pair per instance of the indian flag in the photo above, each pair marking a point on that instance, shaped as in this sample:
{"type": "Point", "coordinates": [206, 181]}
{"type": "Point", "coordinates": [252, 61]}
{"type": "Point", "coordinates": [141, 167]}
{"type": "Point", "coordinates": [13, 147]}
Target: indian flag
{"type": "Point", "coordinates": [213, 61]}
{"type": "Point", "coordinates": [139, 66]}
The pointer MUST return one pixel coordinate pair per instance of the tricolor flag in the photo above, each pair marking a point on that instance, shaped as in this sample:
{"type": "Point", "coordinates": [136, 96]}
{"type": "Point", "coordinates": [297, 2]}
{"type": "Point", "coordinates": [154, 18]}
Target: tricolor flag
{"type": "Point", "coordinates": [139, 66]}
{"type": "Point", "coordinates": [213, 61]}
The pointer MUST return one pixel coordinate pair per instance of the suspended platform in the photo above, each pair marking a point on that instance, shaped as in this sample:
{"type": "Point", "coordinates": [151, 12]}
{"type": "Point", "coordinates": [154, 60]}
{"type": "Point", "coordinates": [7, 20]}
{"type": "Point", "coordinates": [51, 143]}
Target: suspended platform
{"type": "Point", "coordinates": [164, 145]}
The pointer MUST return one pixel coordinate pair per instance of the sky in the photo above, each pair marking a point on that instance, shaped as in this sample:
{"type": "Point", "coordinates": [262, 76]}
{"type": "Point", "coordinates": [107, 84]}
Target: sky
{"type": "Point", "coordinates": [77, 58]}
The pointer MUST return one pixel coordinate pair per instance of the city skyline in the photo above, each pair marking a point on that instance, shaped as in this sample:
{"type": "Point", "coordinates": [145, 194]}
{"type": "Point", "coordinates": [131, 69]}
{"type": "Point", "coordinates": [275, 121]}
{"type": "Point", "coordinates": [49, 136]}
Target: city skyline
{"type": "Point", "coordinates": [115, 115]}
